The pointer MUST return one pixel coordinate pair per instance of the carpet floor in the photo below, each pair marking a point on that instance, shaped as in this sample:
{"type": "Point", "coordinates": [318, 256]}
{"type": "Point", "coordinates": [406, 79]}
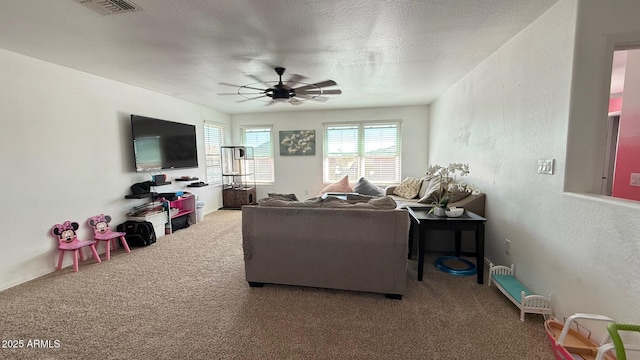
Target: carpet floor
{"type": "Point", "coordinates": [185, 297]}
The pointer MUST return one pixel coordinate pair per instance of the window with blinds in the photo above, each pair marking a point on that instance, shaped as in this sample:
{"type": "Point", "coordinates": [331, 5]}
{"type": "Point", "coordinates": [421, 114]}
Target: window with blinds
{"type": "Point", "coordinates": [260, 139]}
{"type": "Point", "coordinates": [370, 150]}
{"type": "Point", "coordinates": [213, 139]}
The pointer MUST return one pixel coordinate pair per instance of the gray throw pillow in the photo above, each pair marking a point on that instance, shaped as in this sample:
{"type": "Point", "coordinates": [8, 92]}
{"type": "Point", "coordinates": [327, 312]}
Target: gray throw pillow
{"type": "Point", "coordinates": [365, 187]}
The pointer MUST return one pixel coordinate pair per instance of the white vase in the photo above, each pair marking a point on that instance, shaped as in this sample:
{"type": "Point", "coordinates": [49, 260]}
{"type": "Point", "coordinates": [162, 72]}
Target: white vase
{"type": "Point", "coordinates": [438, 211]}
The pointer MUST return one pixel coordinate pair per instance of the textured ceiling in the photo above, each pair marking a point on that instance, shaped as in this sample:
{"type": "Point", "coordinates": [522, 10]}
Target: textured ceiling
{"type": "Point", "coordinates": [380, 52]}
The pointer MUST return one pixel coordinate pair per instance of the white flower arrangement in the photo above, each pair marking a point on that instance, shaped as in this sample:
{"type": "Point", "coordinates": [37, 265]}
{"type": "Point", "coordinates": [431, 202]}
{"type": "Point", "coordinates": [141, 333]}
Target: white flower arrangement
{"type": "Point", "coordinates": [448, 182]}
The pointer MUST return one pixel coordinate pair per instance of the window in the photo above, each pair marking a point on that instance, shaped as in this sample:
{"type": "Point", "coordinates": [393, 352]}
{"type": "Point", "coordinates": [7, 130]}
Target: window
{"type": "Point", "coordinates": [213, 139]}
{"type": "Point", "coordinates": [259, 138]}
{"type": "Point", "coordinates": [370, 150]}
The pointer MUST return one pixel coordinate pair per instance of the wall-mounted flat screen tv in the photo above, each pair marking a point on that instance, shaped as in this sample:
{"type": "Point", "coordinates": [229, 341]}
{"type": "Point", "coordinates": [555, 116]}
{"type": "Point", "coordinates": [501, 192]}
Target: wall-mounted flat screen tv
{"type": "Point", "coordinates": [161, 144]}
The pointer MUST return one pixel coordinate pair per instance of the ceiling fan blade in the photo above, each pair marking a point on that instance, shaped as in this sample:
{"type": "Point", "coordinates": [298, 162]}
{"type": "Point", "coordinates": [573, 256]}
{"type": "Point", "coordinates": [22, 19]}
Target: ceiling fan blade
{"type": "Point", "coordinates": [319, 92]}
{"type": "Point", "coordinates": [294, 101]}
{"type": "Point", "coordinates": [253, 98]}
{"type": "Point", "coordinates": [244, 93]}
{"type": "Point", "coordinates": [317, 85]}
{"type": "Point", "coordinates": [304, 96]}
{"type": "Point", "coordinates": [241, 86]}
{"type": "Point", "coordinates": [258, 80]}
{"type": "Point", "coordinates": [227, 84]}
{"type": "Point", "coordinates": [293, 80]}
{"type": "Point", "coordinates": [325, 83]}
{"type": "Point", "coordinates": [320, 98]}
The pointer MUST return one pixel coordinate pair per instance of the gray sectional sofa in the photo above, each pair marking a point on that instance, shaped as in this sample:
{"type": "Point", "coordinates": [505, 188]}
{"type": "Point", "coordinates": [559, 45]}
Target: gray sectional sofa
{"type": "Point", "coordinates": [327, 243]}
{"type": "Point", "coordinates": [473, 203]}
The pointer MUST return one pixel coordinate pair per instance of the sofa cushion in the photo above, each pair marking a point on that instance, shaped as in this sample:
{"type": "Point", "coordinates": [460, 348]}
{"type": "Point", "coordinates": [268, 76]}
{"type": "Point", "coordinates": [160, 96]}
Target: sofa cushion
{"type": "Point", "coordinates": [341, 185]}
{"type": "Point", "coordinates": [408, 188]}
{"type": "Point", "coordinates": [278, 202]}
{"type": "Point", "coordinates": [288, 197]}
{"type": "Point", "coordinates": [334, 202]}
{"type": "Point", "coordinates": [384, 202]}
{"type": "Point", "coordinates": [431, 187]}
{"type": "Point", "coordinates": [354, 198]}
{"type": "Point", "coordinates": [365, 187]}
{"type": "Point", "coordinates": [424, 187]}
{"type": "Point", "coordinates": [377, 203]}
{"type": "Point", "coordinates": [457, 195]}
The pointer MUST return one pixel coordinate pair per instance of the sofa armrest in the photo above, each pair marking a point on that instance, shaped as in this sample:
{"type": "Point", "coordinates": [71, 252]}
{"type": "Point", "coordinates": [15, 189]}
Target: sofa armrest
{"type": "Point", "coordinates": [473, 203]}
{"type": "Point", "coordinates": [389, 189]}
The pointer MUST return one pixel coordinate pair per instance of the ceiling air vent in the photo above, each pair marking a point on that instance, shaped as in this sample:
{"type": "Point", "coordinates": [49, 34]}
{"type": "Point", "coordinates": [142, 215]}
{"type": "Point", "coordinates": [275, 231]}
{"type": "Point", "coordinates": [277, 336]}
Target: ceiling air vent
{"type": "Point", "coordinates": [109, 7]}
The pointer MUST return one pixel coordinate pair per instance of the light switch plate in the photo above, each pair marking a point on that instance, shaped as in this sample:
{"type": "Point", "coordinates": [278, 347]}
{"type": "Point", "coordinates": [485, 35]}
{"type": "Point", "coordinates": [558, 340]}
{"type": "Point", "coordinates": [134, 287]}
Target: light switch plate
{"type": "Point", "coordinates": [635, 179]}
{"type": "Point", "coordinates": [545, 166]}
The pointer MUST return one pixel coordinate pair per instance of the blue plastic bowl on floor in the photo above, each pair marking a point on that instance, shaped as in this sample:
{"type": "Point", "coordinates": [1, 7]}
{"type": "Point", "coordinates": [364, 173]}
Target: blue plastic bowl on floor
{"type": "Point", "coordinates": [469, 270]}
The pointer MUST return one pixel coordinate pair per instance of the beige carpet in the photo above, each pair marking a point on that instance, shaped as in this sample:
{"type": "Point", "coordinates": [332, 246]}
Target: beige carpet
{"type": "Point", "coordinates": [185, 297]}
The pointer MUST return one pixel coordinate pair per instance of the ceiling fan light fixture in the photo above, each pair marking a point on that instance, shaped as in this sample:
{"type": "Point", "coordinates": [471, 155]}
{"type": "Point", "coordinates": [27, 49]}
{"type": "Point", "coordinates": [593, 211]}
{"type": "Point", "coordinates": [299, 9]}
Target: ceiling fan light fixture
{"type": "Point", "coordinates": [280, 93]}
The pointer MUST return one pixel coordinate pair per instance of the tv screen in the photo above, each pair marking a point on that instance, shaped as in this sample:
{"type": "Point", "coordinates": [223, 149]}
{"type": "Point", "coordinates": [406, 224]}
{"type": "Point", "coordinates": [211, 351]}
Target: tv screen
{"type": "Point", "coordinates": [161, 144]}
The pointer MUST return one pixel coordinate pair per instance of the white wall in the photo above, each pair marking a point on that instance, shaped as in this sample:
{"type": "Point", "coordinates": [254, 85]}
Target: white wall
{"type": "Point", "coordinates": [302, 175]}
{"type": "Point", "coordinates": [66, 154]}
{"type": "Point", "coordinates": [513, 110]}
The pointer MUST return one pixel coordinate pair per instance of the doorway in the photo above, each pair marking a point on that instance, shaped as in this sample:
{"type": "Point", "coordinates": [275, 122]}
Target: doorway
{"type": "Point", "coordinates": [621, 162]}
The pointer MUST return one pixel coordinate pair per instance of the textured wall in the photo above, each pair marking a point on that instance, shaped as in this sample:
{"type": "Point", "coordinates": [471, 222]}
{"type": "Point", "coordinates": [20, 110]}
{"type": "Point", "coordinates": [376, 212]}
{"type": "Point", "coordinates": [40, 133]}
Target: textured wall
{"type": "Point", "coordinates": [66, 154]}
{"type": "Point", "coordinates": [513, 110]}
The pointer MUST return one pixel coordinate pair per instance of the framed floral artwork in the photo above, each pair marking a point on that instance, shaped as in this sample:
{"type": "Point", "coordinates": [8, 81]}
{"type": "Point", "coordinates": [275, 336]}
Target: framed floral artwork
{"type": "Point", "coordinates": [297, 142]}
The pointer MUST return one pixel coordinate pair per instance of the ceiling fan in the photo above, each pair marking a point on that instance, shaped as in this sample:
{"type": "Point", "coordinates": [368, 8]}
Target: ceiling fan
{"type": "Point", "coordinates": [278, 91]}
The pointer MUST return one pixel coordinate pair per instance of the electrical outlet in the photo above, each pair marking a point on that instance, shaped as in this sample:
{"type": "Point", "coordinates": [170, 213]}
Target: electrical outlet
{"type": "Point", "coordinates": [507, 245]}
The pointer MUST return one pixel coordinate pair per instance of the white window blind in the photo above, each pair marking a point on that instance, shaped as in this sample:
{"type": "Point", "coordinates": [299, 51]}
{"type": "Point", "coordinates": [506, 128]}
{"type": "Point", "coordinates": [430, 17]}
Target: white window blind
{"type": "Point", "coordinates": [381, 153]}
{"type": "Point", "coordinates": [341, 153]}
{"type": "Point", "coordinates": [370, 150]}
{"type": "Point", "coordinates": [213, 139]}
{"type": "Point", "coordinates": [260, 139]}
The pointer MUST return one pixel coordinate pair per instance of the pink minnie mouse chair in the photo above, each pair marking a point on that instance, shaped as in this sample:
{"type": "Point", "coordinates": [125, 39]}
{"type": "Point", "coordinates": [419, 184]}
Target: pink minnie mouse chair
{"type": "Point", "coordinates": [100, 225]}
{"type": "Point", "coordinates": [68, 241]}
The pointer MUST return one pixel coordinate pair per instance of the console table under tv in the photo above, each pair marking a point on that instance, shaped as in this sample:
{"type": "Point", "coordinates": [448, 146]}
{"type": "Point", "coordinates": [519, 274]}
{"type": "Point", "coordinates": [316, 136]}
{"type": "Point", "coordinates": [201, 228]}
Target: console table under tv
{"type": "Point", "coordinates": [174, 208]}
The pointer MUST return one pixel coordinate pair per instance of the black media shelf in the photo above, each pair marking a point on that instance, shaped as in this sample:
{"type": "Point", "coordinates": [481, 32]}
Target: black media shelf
{"type": "Point", "coordinates": [187, 179]}
{"type": "Point", "coordinates": [139, 196]}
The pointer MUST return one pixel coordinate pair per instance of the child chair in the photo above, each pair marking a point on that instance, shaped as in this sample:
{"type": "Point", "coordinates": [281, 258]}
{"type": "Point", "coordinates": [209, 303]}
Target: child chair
{"type": "Point", "coordinates": [100, 225]}
{"type": "Point", "coordinates": [68, 241]}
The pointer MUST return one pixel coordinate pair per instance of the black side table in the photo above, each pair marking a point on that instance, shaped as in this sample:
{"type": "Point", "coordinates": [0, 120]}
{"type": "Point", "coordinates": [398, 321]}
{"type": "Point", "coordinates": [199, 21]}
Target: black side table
{"type": "Point", "coordinates": [422, 221]}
